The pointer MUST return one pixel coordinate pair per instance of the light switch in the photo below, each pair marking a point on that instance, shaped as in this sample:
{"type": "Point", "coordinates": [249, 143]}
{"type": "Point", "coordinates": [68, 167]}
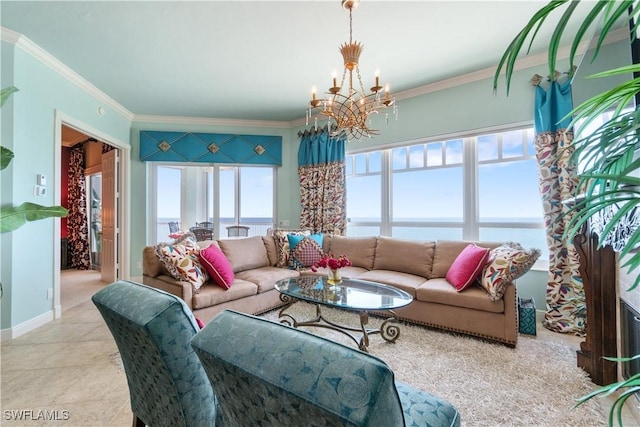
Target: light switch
{"type": "Point", "coordinates": [42, 179]}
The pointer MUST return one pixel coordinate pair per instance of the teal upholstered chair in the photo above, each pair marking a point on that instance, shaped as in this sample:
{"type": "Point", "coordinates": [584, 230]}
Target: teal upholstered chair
{"type": "Point", "coordinates": [269, 374]}
{"type": "Point", "coordinates": [153, 329]}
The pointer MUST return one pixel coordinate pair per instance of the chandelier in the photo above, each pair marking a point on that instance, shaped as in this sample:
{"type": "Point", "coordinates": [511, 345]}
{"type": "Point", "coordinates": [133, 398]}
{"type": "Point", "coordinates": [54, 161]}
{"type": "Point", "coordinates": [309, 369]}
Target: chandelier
{"type": "Point", "coordinates": [351, 110]}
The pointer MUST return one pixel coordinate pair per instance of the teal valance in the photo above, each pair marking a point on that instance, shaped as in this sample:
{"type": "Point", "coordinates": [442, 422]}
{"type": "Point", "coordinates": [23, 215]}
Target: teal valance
{"type": "Point", "coordinates": [164, 146]}
{"type": "Point", "coordinates": [552, 107]}
{"type": "Point", "coordinates": [318, 147]}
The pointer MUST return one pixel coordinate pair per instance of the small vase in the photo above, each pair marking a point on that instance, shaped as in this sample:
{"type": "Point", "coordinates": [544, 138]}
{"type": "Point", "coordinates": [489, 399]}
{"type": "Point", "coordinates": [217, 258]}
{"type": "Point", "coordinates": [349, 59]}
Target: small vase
{"type": "Point", "coordinates": [334, 276]}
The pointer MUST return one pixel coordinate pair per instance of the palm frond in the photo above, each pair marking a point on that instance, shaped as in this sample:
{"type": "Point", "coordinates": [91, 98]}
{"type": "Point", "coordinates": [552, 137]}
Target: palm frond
{"type": "Point", "coordinates": [510, 55]}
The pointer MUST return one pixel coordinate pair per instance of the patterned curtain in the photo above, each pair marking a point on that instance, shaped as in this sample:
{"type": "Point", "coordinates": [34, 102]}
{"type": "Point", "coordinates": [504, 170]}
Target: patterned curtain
{"type": "Point", "coordinates": [558, 182]}
{"type": "Point", "coordinates": [322, 182]}
{"type": "Point", "coordinates": [78, 229]}
{"type": "Point", "coordinates": [106, 148]}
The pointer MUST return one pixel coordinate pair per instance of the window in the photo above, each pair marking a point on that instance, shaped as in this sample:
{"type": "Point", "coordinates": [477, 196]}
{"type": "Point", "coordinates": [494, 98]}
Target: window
{"type": "Point", "coordinates": [168, 199]}
{"type": "Point", "coordinates": [245, 197]}
{"type": "Point", "coordinates": [223, 195]}
{"type": "Point", "coordinates": [481, 187]}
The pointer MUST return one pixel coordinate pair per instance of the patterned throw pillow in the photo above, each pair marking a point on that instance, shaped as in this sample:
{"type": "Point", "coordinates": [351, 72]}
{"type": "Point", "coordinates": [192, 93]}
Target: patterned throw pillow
{"type": "Point", "coordinates": [183, 263]}
{"type": "Point", "coordinates": [282, 244]}
{"type": "Point", "coordinates": [304, 251]}
{"type": "Point", "coordinates": [187, 239]}
{"type": "Point", "coordinates": [506, 263]}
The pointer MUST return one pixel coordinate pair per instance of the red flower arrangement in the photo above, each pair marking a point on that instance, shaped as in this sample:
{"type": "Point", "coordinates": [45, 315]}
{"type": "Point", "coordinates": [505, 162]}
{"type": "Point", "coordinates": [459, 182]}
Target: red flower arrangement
{"type": "Point", "coordinates": [329, 261]}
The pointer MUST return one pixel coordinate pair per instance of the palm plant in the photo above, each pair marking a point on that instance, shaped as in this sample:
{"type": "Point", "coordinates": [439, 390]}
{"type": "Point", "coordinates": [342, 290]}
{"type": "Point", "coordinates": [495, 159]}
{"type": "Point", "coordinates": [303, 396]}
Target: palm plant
{"type": "Point", "coordinates": [610, 176]}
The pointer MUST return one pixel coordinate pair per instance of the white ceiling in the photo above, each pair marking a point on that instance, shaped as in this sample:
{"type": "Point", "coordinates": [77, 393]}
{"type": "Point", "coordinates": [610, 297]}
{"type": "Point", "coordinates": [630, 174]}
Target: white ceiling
{"type": "Point", "coordinates": [257, 60]}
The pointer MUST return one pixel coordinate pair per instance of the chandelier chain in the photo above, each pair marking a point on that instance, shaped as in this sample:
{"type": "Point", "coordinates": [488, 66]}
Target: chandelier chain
{"type": "Point", "coordinates": [350, 25]}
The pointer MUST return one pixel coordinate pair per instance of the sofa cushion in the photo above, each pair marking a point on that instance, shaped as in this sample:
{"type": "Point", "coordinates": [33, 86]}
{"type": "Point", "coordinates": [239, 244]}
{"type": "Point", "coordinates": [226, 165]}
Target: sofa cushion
{"type": "Point", "coordinates": [265, 278]}
{"type": "Point", "coordinates": [326, 242]}
{"type": "Point", "coordinates": [406, 256]}
{"type": "Point", "coordinates": [441, 292]}
{"type": "Point", "coordinates": [282, 244]}
{"type": "Point", "coordinates": [405, 281]}
{"type": "Point", "coordinates": [506, 263]}
{"type": "Point", "coordinates": [245, 253]}
{"type": "Point", "coordinates": [213, 295]}
{"type": "Point", "coordinates": [272, 251]}
{"type": "Point", "coordinates": [361, 251]}
{"type": "Point", "coordinates": [447, 251]}
{"type": "Point", "coordinates": [151, 264]}
{"type": "Point", "coordinates": [467, 266]}
{"type": "Point", "coordinates": [304, 251]}
{"type": "Point", "coordinates": [217, 265]}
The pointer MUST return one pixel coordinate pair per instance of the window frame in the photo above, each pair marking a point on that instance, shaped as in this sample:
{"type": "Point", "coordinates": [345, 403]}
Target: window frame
{"type": "Point", "coordinates": [190, 211]}
{"type": "Point", "coordinates": [471, 224]}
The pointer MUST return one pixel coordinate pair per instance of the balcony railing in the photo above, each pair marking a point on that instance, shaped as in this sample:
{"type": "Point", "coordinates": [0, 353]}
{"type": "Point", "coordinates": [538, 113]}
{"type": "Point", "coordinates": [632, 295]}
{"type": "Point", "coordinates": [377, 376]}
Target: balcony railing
{"type": "Point", "coordinates": [256, 228]}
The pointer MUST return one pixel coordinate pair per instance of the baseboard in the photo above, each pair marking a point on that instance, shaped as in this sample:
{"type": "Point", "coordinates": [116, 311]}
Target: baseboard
{"type": "Point", "coordinates": [28, 326]}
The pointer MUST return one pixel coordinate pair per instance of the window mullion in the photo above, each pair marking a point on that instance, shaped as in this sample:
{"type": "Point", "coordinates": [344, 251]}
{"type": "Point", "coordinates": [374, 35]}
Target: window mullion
{"type": "Point", "coordinates": [386, 185]}
{"type": "Point", "coordinates": [470, 191]}
{"type": "Point", "coordinates": [237, 195]}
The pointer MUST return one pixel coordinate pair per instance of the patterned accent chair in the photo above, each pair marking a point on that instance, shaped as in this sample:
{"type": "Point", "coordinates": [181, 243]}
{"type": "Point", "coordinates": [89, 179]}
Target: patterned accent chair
{"type": "Point", "coordinates": [153, 329]}
{"type": "Point", "coordinates": [269, 374]}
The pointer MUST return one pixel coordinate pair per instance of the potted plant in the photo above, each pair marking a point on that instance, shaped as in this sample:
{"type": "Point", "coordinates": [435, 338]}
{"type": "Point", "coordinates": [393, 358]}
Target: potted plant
{"type": "Point", "coordinates": [610, 177]}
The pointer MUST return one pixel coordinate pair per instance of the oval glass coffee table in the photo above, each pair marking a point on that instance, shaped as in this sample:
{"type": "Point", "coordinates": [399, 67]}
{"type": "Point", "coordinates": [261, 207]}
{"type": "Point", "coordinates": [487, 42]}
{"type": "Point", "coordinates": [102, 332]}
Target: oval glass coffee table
{"type": "Point", "coordinates": [355, 295]}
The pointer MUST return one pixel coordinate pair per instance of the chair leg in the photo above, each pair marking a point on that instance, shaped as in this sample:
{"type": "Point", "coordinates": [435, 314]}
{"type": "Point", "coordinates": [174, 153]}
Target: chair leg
{"type": "Point", "coordinates": [137, 422]}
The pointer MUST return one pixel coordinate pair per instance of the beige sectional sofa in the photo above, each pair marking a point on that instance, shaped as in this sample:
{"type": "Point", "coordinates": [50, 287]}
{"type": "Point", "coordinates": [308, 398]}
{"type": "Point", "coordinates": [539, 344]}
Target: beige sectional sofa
{"type": "Point", "coordinates": [418, 268]}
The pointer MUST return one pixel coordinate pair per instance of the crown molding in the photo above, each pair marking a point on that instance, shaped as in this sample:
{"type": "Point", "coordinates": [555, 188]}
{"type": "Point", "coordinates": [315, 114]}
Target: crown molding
{"type": "Point", "coordinates": [521, 64]}
{"type": "Point", "coordinates": [50, 61]}
{"type": "Point", "coordinates": [210, 121]}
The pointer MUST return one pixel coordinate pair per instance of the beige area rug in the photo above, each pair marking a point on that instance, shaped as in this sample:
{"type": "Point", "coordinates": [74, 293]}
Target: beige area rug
{"type": "Point", "coordinates": [535, 384]}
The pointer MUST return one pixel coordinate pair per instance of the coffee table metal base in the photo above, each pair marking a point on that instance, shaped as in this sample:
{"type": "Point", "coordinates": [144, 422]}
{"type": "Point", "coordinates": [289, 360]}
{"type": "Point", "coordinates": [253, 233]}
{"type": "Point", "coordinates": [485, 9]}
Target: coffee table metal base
{"type": "Point", "coordinates": [389, 330]}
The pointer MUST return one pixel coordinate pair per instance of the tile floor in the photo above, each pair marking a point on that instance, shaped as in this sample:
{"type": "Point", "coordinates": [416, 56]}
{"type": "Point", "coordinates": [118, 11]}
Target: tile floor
{"type": "Point", "coordinates": [65, 367]}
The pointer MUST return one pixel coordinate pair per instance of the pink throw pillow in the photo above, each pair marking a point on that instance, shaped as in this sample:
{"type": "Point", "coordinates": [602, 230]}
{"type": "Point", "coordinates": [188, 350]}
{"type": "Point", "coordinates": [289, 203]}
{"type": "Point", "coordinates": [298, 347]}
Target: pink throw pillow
{"type": "Point", "coordinates": [217, 265]}
{"type": "Point", "coordinates": [200, 323]}
{"type": "Point", "coordinates": [467, 266]}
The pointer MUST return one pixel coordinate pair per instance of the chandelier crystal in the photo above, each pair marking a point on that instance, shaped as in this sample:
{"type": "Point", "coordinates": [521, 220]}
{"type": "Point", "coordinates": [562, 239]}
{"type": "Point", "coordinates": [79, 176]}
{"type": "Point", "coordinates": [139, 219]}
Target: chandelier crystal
{"type": "Point", "coordinates": [350, 110]}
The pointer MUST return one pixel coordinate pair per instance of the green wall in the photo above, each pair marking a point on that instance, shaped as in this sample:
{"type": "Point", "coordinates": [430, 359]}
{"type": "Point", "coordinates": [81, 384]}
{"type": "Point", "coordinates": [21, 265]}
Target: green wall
{"type": "Point", "coordinates": [27, 264]}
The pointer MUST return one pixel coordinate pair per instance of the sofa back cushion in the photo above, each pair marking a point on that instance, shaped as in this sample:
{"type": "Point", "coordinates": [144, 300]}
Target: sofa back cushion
{"type": "Point", "coordinates": [245, 253]}
{"type": "Point", "coordinates": [361, 251]}
{"type": "Point", "coordinates": [272, 250]}
{"type": "Point", "coordinates": [447, 251]}
{"type": "Point", "coordinates": [406, 256]}
{"type": "Point", "coordinates": [151, 265]}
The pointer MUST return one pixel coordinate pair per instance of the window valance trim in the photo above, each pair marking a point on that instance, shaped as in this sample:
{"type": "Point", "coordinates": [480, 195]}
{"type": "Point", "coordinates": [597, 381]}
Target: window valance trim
{"type": "Point", "coordinates": [210, 148]}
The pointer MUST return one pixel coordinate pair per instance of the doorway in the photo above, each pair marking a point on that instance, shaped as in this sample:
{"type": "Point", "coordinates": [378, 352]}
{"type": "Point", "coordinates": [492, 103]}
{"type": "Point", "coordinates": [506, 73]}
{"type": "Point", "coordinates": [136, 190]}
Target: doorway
{"type": "Point", "coordinates": [81, 235]}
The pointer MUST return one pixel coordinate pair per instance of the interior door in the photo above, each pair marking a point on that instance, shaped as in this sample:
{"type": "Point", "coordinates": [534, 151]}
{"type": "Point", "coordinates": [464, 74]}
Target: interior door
{"type": "Point", "coordinates": [110, 256]}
